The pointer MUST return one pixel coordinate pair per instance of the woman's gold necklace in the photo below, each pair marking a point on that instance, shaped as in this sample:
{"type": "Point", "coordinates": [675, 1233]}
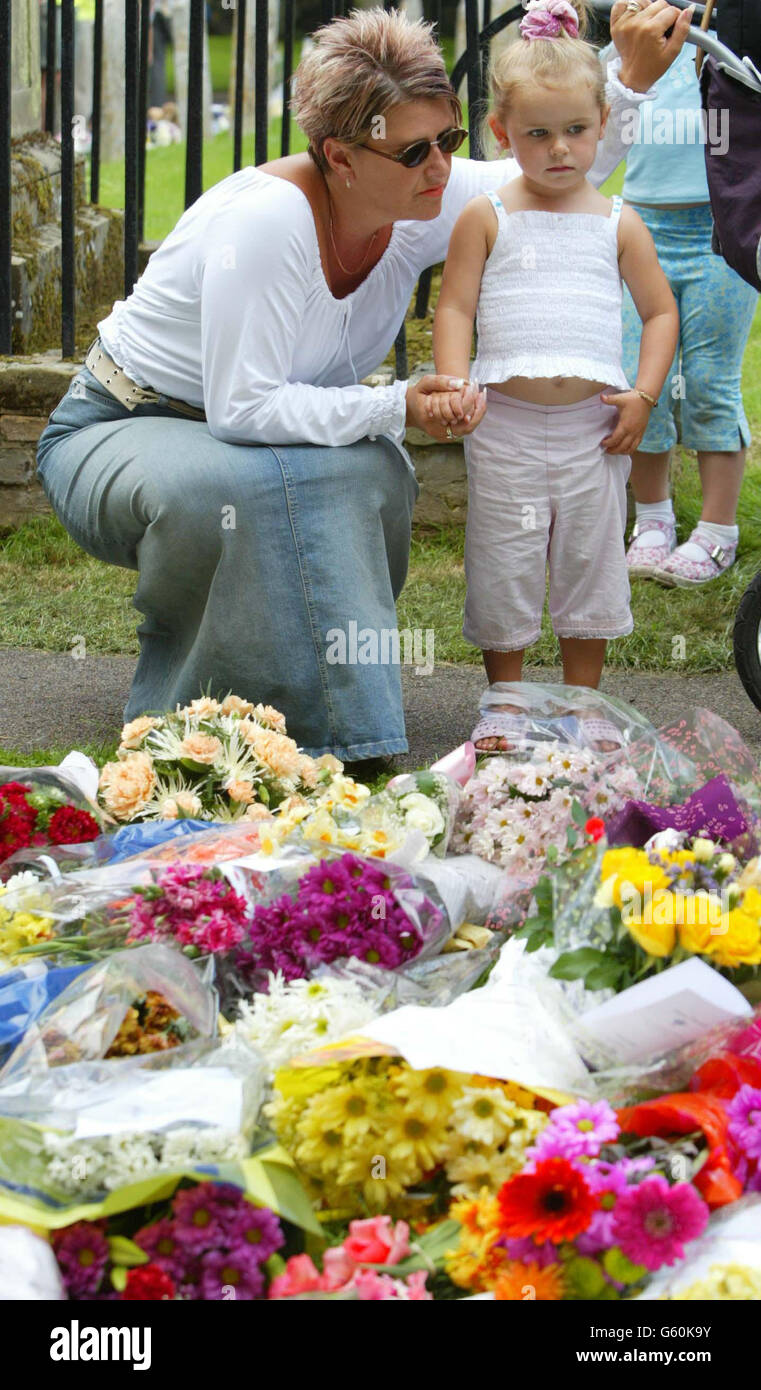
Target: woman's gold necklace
{"type": "Point", "coordinates": [345, 268]}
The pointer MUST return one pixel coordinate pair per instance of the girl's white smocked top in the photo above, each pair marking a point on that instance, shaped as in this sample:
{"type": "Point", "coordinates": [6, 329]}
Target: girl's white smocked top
{"type": "Point", "coordinates": [550, 301]}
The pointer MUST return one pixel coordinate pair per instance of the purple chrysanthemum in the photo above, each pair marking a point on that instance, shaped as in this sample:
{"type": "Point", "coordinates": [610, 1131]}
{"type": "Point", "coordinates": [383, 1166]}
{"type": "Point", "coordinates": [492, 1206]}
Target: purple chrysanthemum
{"type": "Point", "coordinates": [82, 1255]}
{"type": "Point", "coordinates": [257, 1227]}
{"type": "Point", "coordinates": [652, 1221]}
{"type": "Point", "coordinates": [744, 1112]}
{"type": "Point", "coordinates": [199, 1218]}
{"type": "Point", "coordinates": [161, 1242]}
{"type": "Point", "coordinates": [231, 1274]}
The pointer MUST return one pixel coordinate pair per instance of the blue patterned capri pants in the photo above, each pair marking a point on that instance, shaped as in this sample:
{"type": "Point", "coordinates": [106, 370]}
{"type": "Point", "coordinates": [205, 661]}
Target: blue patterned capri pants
{"type": "Point", "coordinates": [701, 401]}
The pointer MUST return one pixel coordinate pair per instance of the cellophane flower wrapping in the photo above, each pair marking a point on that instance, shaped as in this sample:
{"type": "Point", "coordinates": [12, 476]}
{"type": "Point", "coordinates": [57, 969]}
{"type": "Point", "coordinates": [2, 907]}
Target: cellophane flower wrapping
{"type": "Point", "coordinates": [41, 807]}
{"type": "Point", "coordinates": [567, 715]}
{"type": "Point", "coordinates": [74, 1133]}
{"type": "Point", "coordinates": [81, 1024]}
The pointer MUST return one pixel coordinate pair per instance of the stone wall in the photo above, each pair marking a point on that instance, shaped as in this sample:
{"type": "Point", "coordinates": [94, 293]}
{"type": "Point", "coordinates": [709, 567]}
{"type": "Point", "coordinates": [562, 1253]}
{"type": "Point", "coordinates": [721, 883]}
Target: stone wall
{"type": "Point", "coordinates": [31, 387]}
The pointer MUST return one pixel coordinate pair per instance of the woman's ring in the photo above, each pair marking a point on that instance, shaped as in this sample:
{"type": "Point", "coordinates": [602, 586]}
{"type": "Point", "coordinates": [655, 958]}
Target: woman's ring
{"type": "Point", "coordinates": [634, 6]}
{"type": "Point", "coordinates": [450, 435]}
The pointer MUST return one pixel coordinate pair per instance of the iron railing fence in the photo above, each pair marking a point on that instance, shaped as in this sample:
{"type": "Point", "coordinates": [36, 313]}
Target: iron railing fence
{"type": "Point", "coordinates": [471, 69]}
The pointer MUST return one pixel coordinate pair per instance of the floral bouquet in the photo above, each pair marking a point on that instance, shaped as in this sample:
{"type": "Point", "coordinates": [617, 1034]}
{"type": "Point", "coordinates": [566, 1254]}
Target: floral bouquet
{"type": "Point", "coordinates": [373, 1263]}
{"type": "Point", "coordinates": [131, 1004]}
{"type": "Point", "coordinates": [521, 814]}
{"type": "Point", "coordinates": [373, 1135]}
{"type": "Point", "coordinates": [25, 920]}
{"type": "Point", "coordinates": [590, 1215]}
{"type": "Point", "coordinates": [343, 814]}
{"type": "Point", "coordinates": [36, 812]}
{"type": "Point", "coordinates": [208, 761]}
{"type": "Point", "coordinates": [193, 908]}
{"type": "Point", "coordinates": [78, 1132]}
{"type": "Point", "coordinates": [294, 1016]}
{"type": "Point", "coordinates": [342, 907]}
{"type": "Point", "coordinates": [630, 912]}
{"type": "Point", "coordinates": [213, 1244]}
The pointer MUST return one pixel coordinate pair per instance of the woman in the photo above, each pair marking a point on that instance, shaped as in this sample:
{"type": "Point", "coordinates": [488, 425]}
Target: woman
{"type": "Point", "coordinates": [284, 518]}
{"type": "Point", "coordinates": [666, 182]}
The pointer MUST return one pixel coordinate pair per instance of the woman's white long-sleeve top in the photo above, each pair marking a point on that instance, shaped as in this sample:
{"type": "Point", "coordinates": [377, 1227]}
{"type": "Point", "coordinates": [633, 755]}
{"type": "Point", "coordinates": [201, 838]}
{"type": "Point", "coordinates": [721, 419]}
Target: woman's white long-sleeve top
{"type": "Point", "coordinates": [233, 312]}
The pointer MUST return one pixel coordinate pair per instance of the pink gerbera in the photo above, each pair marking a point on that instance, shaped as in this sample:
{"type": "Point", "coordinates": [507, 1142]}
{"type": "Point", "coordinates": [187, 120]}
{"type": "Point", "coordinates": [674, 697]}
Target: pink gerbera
{"type": "Point", "coordinates": [744, 1112]}
{"type": "Point", "coordinates": [576, 1131]}
{"type": "Point", "coordinates": [652, 1221]}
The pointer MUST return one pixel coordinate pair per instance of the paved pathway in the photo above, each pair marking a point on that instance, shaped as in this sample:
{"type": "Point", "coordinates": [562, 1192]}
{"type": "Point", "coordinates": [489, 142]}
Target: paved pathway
{"type": "Point", "coordinates": [52, 700]}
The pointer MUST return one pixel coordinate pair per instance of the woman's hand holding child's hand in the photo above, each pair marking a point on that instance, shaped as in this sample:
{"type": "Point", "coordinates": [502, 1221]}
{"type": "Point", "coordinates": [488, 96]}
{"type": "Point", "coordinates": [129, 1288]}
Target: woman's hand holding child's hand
{"type": "Point", "coordinates": [633, 417]}
{"type": "Point", "coordinates": [437, 406]}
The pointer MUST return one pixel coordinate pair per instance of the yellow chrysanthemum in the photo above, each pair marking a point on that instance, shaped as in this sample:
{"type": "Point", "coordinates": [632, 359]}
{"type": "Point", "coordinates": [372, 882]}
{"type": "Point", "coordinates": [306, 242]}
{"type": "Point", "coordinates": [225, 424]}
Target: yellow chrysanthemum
{"type": "Point", "coordinates": [430, 1094]}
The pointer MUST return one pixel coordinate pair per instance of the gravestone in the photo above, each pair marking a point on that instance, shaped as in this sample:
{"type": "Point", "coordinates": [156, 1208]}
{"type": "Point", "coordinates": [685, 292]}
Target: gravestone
{"type": "Point", "coordinates": [25, 47]}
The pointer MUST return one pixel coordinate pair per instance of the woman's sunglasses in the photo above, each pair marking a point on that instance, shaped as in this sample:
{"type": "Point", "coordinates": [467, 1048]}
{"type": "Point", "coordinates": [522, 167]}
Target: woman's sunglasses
{"type": "Point", "coordinates": [414, 155]}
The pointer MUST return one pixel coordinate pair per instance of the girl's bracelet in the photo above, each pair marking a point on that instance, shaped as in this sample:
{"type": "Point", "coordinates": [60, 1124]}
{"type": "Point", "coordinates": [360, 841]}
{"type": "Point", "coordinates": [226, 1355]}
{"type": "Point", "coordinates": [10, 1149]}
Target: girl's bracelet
{"type": "Point", "coordinates": [651, 400]}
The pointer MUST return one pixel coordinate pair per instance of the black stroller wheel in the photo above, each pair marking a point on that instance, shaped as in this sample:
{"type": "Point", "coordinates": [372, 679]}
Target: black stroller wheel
{"type": "Point", "coordinates": [747, 640]}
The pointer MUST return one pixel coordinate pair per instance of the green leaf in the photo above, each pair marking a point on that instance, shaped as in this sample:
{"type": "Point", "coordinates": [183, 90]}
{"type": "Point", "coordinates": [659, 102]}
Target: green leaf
{"type": "Point", "coordinates": [574, 965]}
{"type": "Point", "coordinates": [571, 838]}
{"type": "Point", "coordinates": [539, 939]}
{"type": "Point", "coordinates": [123, 1251]}
{"type": "Point", "coordinates": [543, 896]}
{"type": "Point", "coordinates": [619, 1267]}
{"type": "Point", "coordinates": [428, 1252]}
{"type": "Point", "coordinates": [605, 976]}
{"type": "Point", "coordinates": [580, 816]}
{"type": "Point", "coordinates": [119, 1278]}
{"type": "Point", "coordinates": [585, 1277]}
{"type": "Point", "coordinates": [552, 851]}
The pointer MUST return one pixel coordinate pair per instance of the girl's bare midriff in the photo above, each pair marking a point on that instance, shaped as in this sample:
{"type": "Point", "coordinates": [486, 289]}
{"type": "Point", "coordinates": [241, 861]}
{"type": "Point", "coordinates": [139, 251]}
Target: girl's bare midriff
{"type": "Point", "coordinates": [549, 390]}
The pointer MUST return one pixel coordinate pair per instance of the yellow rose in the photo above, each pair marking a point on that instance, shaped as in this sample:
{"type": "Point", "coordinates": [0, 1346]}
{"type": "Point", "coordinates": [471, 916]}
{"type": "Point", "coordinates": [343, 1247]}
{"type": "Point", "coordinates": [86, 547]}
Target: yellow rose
{"type": "Point", "coordinates": [127, 785]}
{"type": "Point", "coordinates": [626, 874]}
{"type": "Point", "coordinates": [134, 733]}
{"type": "Point", "coordinates": [657, 938]}
{"type": "Point", "coordinates": [201, 748]}
{"type": "Point", "coordinates": [740, 944]}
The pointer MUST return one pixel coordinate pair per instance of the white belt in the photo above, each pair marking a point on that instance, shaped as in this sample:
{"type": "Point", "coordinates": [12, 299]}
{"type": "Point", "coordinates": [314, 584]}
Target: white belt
{"type": "Point", "coordinates": [126, 391]}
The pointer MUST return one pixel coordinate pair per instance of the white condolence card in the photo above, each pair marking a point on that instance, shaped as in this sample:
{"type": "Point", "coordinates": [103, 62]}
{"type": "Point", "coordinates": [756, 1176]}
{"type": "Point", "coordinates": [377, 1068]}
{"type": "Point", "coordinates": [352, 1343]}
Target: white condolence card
{"type": "Point", "coordinates": [664, 1012]}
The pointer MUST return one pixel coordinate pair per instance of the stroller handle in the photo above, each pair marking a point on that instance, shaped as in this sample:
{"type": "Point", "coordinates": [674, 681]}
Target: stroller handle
{"type": "Point", "coordinates": [701, 38]}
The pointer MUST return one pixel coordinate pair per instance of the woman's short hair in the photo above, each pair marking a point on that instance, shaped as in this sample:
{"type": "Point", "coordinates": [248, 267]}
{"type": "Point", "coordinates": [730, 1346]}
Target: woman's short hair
{"type": "Point", "coordinates": [361, 66]}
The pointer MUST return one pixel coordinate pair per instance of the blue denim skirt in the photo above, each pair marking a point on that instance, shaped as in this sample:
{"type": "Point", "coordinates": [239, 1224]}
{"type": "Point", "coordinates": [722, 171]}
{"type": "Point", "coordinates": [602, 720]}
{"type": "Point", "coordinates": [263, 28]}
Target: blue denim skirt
{"type": "Point", "coordinates": [250, 559]}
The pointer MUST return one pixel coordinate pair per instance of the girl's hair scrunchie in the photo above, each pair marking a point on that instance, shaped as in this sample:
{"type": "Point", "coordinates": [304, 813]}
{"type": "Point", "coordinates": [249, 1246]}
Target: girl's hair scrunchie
{"type": "Point", "coordinates": [546, 19]}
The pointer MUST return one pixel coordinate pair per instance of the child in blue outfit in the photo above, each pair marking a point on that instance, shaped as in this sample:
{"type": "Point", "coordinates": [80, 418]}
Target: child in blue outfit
{"type": "Point", "coordinates": [666, 182]}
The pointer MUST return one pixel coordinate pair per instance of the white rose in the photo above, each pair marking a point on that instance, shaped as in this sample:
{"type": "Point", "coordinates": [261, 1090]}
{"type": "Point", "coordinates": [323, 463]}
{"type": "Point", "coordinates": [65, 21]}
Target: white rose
{"type": "Point", "coordinates": [703, 850]}
{"type": "Point", "coordinates": [421, 813]}
{"type": "Point", "coordinates": [668, 840]}
{"type": "Point", "coordinates": [726, 863]}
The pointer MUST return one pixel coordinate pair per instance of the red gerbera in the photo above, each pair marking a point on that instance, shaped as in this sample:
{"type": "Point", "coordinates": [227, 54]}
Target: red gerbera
{"type": "Point", "coordinates": [552, 1203]}
{"type": "Point", "coordinates": [148, 1283]}
{"type": "Point", "coordinates": [69, 826]}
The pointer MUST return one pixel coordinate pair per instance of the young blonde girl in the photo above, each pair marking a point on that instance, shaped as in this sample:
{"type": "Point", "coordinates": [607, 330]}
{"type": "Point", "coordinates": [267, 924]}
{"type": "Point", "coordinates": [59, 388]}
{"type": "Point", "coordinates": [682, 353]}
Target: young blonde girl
{"type": "Point", "coordinates": [539, 267]}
